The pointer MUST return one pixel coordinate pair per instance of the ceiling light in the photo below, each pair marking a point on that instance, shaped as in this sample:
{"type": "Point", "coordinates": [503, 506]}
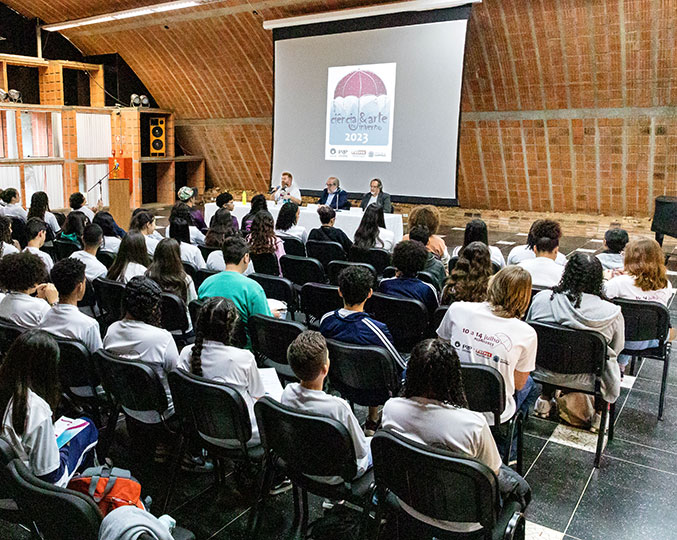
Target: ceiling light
{"type": "Point", "coordinates": [145, 102]}
{"type": "Point", "coordinates": [134, 100]}
{"type": "Point", "coordinates": [15, 96]}
{"type": "Point", "coordinates": [4, 96]}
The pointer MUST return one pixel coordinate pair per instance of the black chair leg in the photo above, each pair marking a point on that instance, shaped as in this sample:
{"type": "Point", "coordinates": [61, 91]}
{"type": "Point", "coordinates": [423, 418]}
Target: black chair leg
{"type": "Point", "coordinates": [304, 512]}
{"type": "Point", "coordinates": [176, 465]}
{"type": "Point", "coordinates": [664, 382]}
{"type": "Point", "coordinates": [600, 436]}
{"type": "Point", "coordinates": [612, 420]}
{"type": "Point", "coordinates": [255, 517]}
{"type": "Point", "coordinates": [297, 507]}
{"type": "Point", "coordinates": [520, 444]}
{"type": "Point", "coordinates": [107, 440]}
{"type": "Point", "coordinates": [632, 365]}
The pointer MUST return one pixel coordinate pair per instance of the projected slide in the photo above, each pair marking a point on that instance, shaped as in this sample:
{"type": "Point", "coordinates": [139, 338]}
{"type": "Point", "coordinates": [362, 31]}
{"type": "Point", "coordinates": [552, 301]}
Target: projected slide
{"type": "Point", "coordinates": [360, 112]}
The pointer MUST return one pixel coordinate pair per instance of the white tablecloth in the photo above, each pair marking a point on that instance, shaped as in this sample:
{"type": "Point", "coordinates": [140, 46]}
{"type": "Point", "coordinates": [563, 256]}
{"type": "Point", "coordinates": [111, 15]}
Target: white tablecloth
{"type": "Point", "coordinates": [347, 220]}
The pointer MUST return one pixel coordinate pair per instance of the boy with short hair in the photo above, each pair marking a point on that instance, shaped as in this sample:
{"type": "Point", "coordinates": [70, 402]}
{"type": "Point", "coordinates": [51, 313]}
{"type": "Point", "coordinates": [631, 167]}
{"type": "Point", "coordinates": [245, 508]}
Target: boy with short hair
{"type": "Point", "coordinates": [544, 239]}
{"type": "Point", "coordinates": [92, 238]}
{"type": "Point", "coordinates": [309, 359]}
{"type": "Point", "coordinates": [615, 241]}
{"type": "Point", "coordinates": [36, 233]}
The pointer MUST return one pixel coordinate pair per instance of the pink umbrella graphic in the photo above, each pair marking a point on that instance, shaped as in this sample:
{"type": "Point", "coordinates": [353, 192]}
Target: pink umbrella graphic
{"type": "Point", "coordinates": [360, 83]}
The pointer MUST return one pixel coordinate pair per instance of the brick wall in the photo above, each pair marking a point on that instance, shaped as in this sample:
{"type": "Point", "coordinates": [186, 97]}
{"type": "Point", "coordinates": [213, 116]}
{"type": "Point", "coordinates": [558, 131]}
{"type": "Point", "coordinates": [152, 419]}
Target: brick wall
{"type": "Point", "coordinates": [568, 105]}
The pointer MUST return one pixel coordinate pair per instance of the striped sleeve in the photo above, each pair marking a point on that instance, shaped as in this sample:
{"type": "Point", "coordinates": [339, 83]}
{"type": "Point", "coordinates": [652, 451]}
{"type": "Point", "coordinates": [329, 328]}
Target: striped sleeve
{"type": "Point", "coordinates": [385, 341]}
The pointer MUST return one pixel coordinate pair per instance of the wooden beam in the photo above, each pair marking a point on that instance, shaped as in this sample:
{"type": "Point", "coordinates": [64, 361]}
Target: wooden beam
{"type": "Point", "coordinates": [19, 60]}
{"type": "Point", "coordinates": [82, 66]}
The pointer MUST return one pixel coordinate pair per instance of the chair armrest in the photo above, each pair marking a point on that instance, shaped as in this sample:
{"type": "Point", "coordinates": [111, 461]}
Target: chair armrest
{"type": "Point", "coordinates": [509, 522]}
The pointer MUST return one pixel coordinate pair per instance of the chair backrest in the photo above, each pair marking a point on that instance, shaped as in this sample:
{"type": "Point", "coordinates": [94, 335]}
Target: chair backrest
{"type": "Point", "coordinates": [210, 408]}
{"type": "Point", "coordinates": [309, 444]}
{"type": "Point", "coordinates": [378, 258]}
{"type": "Point", "coordinates": [276, 287]}
{"type": "Point", "coordinates": [644, 320]}
{"type": "Point", "coordinates": [109, 295]}
{"type": "Point", "coordinates": [293, 246]}
{"type": "Point", "coordinates": [318, 299]}
{"type": "Point", "coordinates": [133, 384]}
{"type": "Point", "coordinates": [389, 272]}
{"type": "Point", "coordinates": [203, 274]}
{"type": "Point", "coordinates": [207, 250]}
{"type": "Point", "coordinates": [194, 309]}
{"type": "Point", "coordinates": [173, 313]}
{"type": "Point", "coordinates": [436, 320]}
{"type": "Point", "coordinates": [89, 299]}
{"type": "Point", "coordinates": [76, 367]}
{"type": "Point", "coordinates": [427, 277]}
{"type": "Point", "coordinates": [437, 483]}
{"type": "Point", "coordinates": [190, 269]}
{"type": "Point", "coordinates": [335, 268]}
{"type": "Point", "coordinates": [105, 257]}
{"type": "Point", "coordinates": [64, 249]}
{"type": "Point", "coordinates": [325, 252]}
{"type": "Point", "coordinates": [484, 389]}
{"type": "Point", "coordinates": [8, 333]}
{"type": "Point", "coordinates": [7, 453]}
{"type": "Point", "coordinates": [406, 318]}
{"type": "Point", "coordinates": [271, 337]}
{"type": "Point", "coordinates": [452, 263]}
{"type": "Point", "coordinates": [59, 514]}
{"type": "Point", "coordinates": [495, 267]}
{"type": "Point", "coordinates": [300, 270]}
{"type": "Point", "coordinates": [363, 374]}
{"type": "Point", "coordinates": [569, 351]}
{"type": "Point", "coordinates": [265, 263]}
{"type": "Point", "coordinates": [19, 232]}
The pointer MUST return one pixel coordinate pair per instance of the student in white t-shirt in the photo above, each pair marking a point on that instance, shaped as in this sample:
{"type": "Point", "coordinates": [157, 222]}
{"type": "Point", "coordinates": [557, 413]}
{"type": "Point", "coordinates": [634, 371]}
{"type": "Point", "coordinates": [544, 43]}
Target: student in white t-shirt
{"type": "Point", "coordinates": [138, 336]}
{"type": "Point", "coordinates": [29, 393]}
{"type": "Point", "coordinates": [216, 262]}
{"type": "Point", "coordinates": [492, 333]}
{"type": "Point", "coordinates": [40, 208]}
{"type": "Point", "coordinates": [144, 222]}
{"type": "Point", "coordinates": [92, 238]}
{"type": "Point", "coordinates": [132, 258]}
{"type": "Point", "coordinates": [7, 245]}
{"type": "Point", "coordinates": [645, 279]}
{"type": "Point", "coordinates": [615, 241]}
{"type": "Point", "coordinates": [545, 272]}
{"type": "Point", "coordinates": [36, 233]}
{"type": "Point", "coordinates": [309, 359]}
{"type": "Point", "coordinates": [24, 274]}
{"type": "Point", "coordinates": [214, 357]}
{"type": "Point", "coordinates": [111, 240]}
{"type": "Point", "coordinates": [179, 230]}
{"type": "Point", "coordinates": [522, 253]}
{"type": "Point", "coordinates": [287, 223]}
{"type": "Point", "coordinates": [13, 207]}
{"type": "Point", "coordinates": [372, 232]}
{"type": "Point", "coordinates": [433, 410]}
{"type": "Point", "coordinates": [476, 231]}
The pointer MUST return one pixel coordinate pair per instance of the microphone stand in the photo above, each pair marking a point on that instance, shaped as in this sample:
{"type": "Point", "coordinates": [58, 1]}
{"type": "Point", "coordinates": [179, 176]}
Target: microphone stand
{"type": "Point", "coordinates": [117, 166]}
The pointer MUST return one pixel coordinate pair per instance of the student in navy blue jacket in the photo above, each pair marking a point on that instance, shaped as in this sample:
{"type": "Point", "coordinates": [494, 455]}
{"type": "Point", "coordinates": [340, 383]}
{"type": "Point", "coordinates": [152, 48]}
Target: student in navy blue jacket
{"type": "Point", "coordinates": [409, 257]}
{"type": "Point", "coordinates": [334, 196]}
{"type": "Point", "coordinates": [352, 325]}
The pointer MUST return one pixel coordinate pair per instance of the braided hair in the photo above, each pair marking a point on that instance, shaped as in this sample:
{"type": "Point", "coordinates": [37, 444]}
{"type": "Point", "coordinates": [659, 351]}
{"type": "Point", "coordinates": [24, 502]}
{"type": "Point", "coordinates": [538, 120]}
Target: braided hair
{"type": "Point", "coordinates": [582, 274]}
{"type": "Point", "coordinates": [216, 321]}
{"type": "Point", "coordinates": [434, 372]}
{"type": "Point", "coordinates": [141, 300]}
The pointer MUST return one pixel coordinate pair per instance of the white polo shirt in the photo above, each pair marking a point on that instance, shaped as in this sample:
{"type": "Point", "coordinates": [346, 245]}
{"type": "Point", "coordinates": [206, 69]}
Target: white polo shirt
{"type": "Point", "coordinates": [234, 366]}
{"type": "Point", "coordinates": [15, 210]}
{"type": "Point", "coordinates": [152, 345]}
{"type": "Point", "coordinates": [216, 263]}
{"type": "Point", "coordinates": [52, 222]}
{"type": "Point", "coordinates": [295, 231]}
{"type": "Point", "coordinates": [624, 287]}
{"type": "Point", "coordinates": [523, 252]}
{"type": "Point", "coordinates": [23, 310]}
{"type": "Point", "coordinates": [67, 321]}
{"type": "Point", "coordinates": [196, 236]}
{"type": "Point", "coordinates": [151, 244]}
{"type": "Point", "coordinates": [191, 254]}
{"type": "Point", "coordinates": [544, 271]}
{"type": "Point", "coordinates": [481, 337]}
{"type": "Point", "coordinates": [94, 268]}
{"type": "Point", "coordinates": [132, 270]}
{"type": "Point", "coordinates": [111, 243]}
{"type": "Point", "coordinates": [495, 254]}
{"type": "Point", "coordinates": [49, 263]}
{"type": "Point", "coordinates": [86, 211]}
{"type": "Point", "coordinates": [8, 249]}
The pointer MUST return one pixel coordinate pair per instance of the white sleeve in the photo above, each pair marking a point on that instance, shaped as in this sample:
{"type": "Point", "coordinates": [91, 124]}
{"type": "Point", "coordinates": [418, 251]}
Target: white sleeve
{"type": "Point", "coordinates": [42, 450]}
{"type": "Point", "coordinates": [485, 449]}
{"type": "Point", "coordinates": [360, 442]}
{"type": "Point", "coordinates": [191, 294]}
{"type": "Point", "coordinates": [611, 288]}
{"type": "Point", "coordinates": [184, 358]}
{"type": "Point", "coordinates": [255, 385]}
{"type": "Point", "coordinates": [199, 260]}
{"type": "Point", "coordinates": [171, 355]}
{"type": "Point", "coordinates": [94, 338]}
{"type": "Point", "coordinates": [446, 326]}
{"type": "Point", "coordinates": [527, 359]}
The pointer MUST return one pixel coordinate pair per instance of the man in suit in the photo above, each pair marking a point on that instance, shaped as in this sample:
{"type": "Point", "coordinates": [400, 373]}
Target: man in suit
{"type": "Point", "coordinates": [333, 196]}
{"type": "Point", "coordinates": [376, 195]}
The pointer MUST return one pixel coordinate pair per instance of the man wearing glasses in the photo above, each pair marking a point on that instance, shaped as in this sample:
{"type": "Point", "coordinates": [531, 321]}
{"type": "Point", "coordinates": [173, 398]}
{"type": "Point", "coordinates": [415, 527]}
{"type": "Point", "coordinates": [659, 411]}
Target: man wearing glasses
{"type": "Point", "coordinates": [333, 196]}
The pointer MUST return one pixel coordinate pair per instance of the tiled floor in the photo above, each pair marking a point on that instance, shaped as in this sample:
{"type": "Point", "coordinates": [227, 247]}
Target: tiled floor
{"type": "Point", "coordinates": [631, 497]}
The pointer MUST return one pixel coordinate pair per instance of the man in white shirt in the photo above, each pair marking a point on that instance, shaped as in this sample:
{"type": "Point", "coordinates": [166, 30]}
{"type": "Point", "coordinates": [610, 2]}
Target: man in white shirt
{"type": "Point", "coordinates": [65, 320]}
{"type": "Point", "coordinates": [78, 203]}
{"type": "Point", "coordinates": [12, 199]}
{"type": "Point", "coordinates": [545, 272]}
{"type": "Point", "coordinates": [287, 190]}
{"type": "Point", "coordinates": [92, 237]}
{"type": "Point", "coordinates": [36, 233]}
{"type": "Point", "coordinates": [522, 253]}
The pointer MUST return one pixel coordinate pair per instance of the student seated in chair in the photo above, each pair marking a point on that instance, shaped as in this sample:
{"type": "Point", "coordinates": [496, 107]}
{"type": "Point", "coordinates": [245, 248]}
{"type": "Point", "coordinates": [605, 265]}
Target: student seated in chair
{"type": "Point", "coordinates": [328, 232]}
{"type": "Point", "coordinates": [544, 270]}
{"type": "Point", "coordinates": [409, 257]}
{"type": "Point", "coordinates": [36, 234]}
{"type": "Point", "coordinates": [24, 274]}
{"type": "Point", "coordinates": [29, 394]}
{"type": "Point", "coordinates": [309, 359]}
{"type": "Point", "coordinates": [433, 264]}
{"type": "Point", "coordinates": [615, 241]}
{"type": "Point", "coordinates": [92, 238]}
{"type": "Point", "coordinates": [433, 410]}
{"type": "Point", "coordinates": [352, 325]}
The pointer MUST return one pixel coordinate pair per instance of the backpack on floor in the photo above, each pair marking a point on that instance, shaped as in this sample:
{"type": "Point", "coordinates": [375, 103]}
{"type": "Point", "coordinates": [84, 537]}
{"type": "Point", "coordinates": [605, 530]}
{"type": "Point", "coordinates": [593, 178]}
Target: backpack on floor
{"type": "Point", "coordinates": [339, 523]}
{"type": "Point", "coordinates": [109, 487]}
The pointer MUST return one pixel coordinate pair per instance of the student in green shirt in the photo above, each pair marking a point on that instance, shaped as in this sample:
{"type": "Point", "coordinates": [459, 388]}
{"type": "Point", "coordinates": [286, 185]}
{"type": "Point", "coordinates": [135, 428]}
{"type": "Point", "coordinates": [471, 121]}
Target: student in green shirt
{"type": "Point", "coordinates": [246, 294]}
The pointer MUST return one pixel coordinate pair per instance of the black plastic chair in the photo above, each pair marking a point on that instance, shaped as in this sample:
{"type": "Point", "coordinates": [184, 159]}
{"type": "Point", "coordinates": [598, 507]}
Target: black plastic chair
{"type": "Point", "coordinates": [452, 263]}
{"type": "Point", "coordinates": [265, 263]}
{"type": "Point", "coordinates": [440, 485]}
{"type": "Point", "coordinates": [207, 250]}
{"type": "Point", "coordinates": [279, 288]}
{"type": "Point", "coordinates": [406, 318]}
{"type": "Point", "coordinates": [301, 444]}
{"type": "Point", "coordinates": [89, 300]}
{"type": "Point", "coordinates": [56, 513]}
{"type": "Point", "coordinates": [270, 339]}
{"type": "Point", "coordinates": [645, 321]}
{"type": "Point", "coordinates": [495, 267]}
{"type": "Point", "coordinates": [436, 320]}
{"type": "Point", "coordinates": [9, 509]}
{"type": "Point", "coordinates": [389, 272]}
{"type": "Point", "coordinates": [64, 249]}
{"type": "Point", "coordinates": [105, 257]}
{"type": "Point", "coordinates": [363, 374]}
{"type": "Point", "coordinates": [203, 274]}
{"type": "Point", "coordinates": [325, 252]}
{"type": "Point", "coordinates": [109, 295]}
{"type": "Point", "coordinates": [427, 277]}
{"type": "Point", "coordinates": [293, 246]}
{"type": "Point", "coordinates": [318, 299]}
{"type": "Point", "coordinates": [8, 333]}
{"type": "Point", "coordinates": [174, 317]}
{"type": "Point", "coordinates": [570, 352]}
{"type": "Point", "coordinates": [378, 258]}
{"type": "Point", "coordinates": [216, 410]}
{"type": "Point", "coordinates": [194, 309]}
{"type": "Point", "coordinates": [19, 232]}
{"type": "Point", "coordinates": [336, 267]}
{"type": "Point", "coordinates": [190, 269]}
{"type": "Point", "coordinates": [301, 270]}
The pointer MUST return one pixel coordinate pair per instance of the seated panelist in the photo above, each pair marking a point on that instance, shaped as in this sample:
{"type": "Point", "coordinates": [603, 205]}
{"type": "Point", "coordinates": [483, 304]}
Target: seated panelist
{"type": "Point", "coordinates": [333, 196]}
{"type": "Point", "coordinates": [376, 195]}
{"type": "Point", "coordinates": [287, 191]}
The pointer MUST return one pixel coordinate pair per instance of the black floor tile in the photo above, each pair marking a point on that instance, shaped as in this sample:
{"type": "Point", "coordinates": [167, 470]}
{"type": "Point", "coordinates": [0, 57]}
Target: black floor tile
{"type": "Point", "coordinates": [532, 448]}
{"type": "Point", "coordinates": [12, 531]}
{"type": "Point", "coordinates": [557, 480]}
{"type": "Point", "coordinates": [653, 370]}
{"type": "Point", "coordinates": [638, 422]}
{"type": "Point", "coordinates": [538, 427]}
{"type": "Point", "coordinates": [627, 502]}
{"type": "Point", "coordinates": [640, 454]}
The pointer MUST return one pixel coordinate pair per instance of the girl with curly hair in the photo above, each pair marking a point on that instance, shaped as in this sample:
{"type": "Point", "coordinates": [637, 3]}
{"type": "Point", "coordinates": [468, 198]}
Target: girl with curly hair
{"type": "Point", "coordinates": [579, 302]}
{"type": "Point", "coordinates": [469, 279]}
{"type": "Point", "coordinates": [222, 227]}
{"type": "Point", "coordinates": [214, 357]}
{"type": "Point", "coordinates": [262, 238]}
{"type": "Point", "coordinates": [287, 223]}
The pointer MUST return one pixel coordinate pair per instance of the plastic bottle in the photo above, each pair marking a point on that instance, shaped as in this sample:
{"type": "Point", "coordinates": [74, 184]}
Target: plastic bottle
{"type": "Point", "coordinates": [244, 197]}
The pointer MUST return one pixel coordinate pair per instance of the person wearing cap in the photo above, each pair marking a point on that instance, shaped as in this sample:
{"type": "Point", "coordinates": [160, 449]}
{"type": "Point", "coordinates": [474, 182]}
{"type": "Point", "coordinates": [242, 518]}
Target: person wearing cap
{"type": "Point", "coordinates": [187, 194]}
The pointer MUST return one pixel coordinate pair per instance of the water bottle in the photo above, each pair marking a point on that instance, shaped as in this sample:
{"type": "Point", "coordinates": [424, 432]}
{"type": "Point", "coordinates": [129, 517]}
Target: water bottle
{"type": "Point", "coordinates": [244, 197]}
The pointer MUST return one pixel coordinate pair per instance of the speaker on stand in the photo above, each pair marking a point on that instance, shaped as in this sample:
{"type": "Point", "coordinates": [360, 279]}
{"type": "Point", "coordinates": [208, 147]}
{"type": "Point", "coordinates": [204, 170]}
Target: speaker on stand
{"type": "Point", "coordinates": [157, 137]}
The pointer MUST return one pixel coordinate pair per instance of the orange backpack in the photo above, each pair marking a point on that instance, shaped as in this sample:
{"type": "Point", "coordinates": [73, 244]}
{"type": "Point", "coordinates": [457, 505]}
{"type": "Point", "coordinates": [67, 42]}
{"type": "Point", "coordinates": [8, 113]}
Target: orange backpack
{"type": "Point", "coordinates": [110, 488]}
